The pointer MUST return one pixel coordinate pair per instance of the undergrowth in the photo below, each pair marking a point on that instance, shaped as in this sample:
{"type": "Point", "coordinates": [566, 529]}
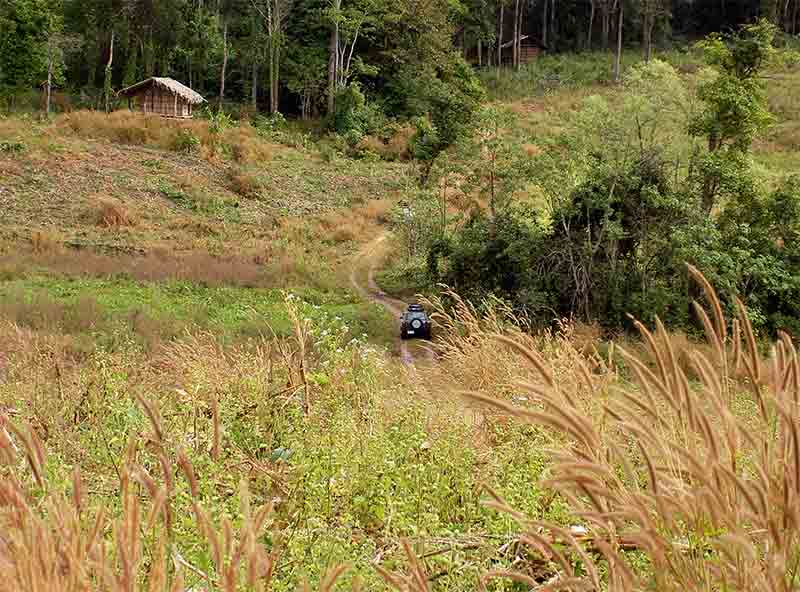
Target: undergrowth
{"type": "Point", "coordinates": [258, 466]}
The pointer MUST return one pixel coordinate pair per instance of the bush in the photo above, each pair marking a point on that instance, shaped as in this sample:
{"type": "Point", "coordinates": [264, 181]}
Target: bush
{"type": "Point", "coordinates": [266, 126]}
{"type": "Point", "coordinates": [185, 141]}
{"type": "Point", "coordinates": [246, 183]}
{"type": "Point", "coordinates": [113, 214]}
{"type": "Point", "coordinates": [355, 117]}
{"type": "Point", "coordinates": [12, 146]}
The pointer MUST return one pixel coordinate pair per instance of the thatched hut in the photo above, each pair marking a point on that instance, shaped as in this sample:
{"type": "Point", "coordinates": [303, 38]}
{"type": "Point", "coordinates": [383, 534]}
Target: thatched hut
{"type": "Point", "coordinates": [162, 96]}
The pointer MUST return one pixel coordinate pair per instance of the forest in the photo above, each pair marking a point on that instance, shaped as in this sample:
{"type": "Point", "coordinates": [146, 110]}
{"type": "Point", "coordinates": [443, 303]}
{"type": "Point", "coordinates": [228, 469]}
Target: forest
{"type": "Point", "coordinates": [294, 56]}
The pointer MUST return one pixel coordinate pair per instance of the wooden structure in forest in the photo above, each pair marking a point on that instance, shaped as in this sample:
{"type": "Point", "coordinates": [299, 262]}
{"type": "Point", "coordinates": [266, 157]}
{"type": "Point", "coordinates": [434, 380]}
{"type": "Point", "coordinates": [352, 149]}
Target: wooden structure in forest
{"type": "Point", "coordinates": [529, 50]}
{"type": "Point", "coordinates": [162, 96]}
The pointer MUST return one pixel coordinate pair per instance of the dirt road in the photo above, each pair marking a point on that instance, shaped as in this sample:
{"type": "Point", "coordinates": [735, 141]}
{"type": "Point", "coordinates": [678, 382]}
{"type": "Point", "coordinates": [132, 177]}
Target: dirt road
{"type": "Point", "coordinates": [367, 261]}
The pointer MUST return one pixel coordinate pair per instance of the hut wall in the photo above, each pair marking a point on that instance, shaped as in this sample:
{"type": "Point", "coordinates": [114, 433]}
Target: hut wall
{"type": "Point", "coordinates": [158, 101]}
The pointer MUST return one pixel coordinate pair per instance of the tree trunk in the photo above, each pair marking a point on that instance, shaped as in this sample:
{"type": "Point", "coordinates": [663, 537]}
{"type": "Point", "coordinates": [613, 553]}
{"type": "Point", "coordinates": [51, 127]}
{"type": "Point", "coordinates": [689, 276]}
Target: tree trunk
{"type": "Point", "coordinates": [49, 89]}
{"type": "Point", "coordinates": [606, 23]}
{"type": "Point", "coordinates": [515, 39]}
{"type": "Point", "coordinates": [273, 29]}
{"type": "Point", "coordinates": [618, 58]}
{"type": "Point", "coordinates": [500, 37]}
{"type": "Point", "coordinates": [273, 106]}
{"type": "Point", "coordinates": [333, 59]}
{"type": "Point", "coordinates": [519, 32]}
{"type": "Point", "coordinates": [107, 78]}
{"type": "Point", "coordinates": [480, 53]}
{"type": "Point", "coordinates": [224, 63]}
{"type": "Point", "coordinates": [544, 23]}
{"type": "Point", "coordinates": [254, 87]}
{"type": "Point", "coordinates": [785, 16]}
{"type": "Point", "coordinates": [591, 27]}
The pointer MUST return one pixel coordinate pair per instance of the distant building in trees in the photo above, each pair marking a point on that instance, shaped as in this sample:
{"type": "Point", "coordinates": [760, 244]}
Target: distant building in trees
{"type": "Point", "coordinates": [162, 96]}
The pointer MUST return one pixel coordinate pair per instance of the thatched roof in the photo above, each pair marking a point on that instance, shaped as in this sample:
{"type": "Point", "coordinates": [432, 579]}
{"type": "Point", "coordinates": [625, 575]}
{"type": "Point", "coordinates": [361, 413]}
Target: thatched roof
{"type": "Point", "coordinates": [169, 84]}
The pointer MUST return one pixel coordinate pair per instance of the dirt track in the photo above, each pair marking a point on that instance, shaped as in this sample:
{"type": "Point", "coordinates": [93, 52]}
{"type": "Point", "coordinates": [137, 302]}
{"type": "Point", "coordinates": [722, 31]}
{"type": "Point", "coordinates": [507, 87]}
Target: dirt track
{"type": "Point", "coordinates": [370, 257]}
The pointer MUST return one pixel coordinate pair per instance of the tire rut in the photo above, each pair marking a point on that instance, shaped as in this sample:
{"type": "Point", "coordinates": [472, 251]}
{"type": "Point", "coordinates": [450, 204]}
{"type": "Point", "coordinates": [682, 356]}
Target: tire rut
{"type": "Point", "coordinates": [373, 293]}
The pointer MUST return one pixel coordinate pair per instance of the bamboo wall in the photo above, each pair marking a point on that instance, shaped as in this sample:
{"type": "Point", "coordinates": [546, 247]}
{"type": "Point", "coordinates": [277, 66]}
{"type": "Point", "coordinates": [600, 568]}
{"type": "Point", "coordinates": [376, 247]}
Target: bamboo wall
{"type": "Point", "coordinates": [158, 101]}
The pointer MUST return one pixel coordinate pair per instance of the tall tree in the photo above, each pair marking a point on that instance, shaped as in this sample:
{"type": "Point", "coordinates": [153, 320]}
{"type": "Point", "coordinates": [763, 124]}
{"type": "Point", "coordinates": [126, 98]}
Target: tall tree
{"type": "Point", "coordinates": [618, 56]}
{"type": "Point", "coordinates": [23, 44]}
{"type": "Point", "coordinates": [650, 11]}
{"type": "Point", "coordinates": [333, 55]}
{"type": "Point", "coordinates": [274, 13]}
{"type": "Point", "coordinates": [735, 107]}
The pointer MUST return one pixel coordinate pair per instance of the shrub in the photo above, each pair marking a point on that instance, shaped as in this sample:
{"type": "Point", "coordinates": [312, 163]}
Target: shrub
{"type": "Point", "coordinates": [355, 117]}
{"type": "Point", "coordinates": [113, 214]}
{"type": "Point", "coordinates": [185, 141]}
{"type": "Point", "coordinates": [12, 146]}
{"type": "Point", "coordinates": [268, 125]}
{"type": "Point", "coordinates": [245, 183]}
{"type": "Point", "coordinates": [247, 147]}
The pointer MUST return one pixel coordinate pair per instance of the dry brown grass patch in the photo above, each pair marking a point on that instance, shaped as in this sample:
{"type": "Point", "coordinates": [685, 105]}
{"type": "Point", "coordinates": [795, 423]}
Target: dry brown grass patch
{"type": "Point", "coordinates": [532, 150]}
{"type": "Point", "coordinates": [400, 143]}
{"type": "Point", "coordinates": [397, 147]}
{"type": "Point", "coordinates": [41, 312]}
{"type": "Point", "coordinates": [235, 269]}
{"type": "Point", "coordinates": [113, 214]}
{"type": "Point", "coordinates": [356, 225]}
{"type": "Point", "coordinates": [45, 242]}
{"type": "Point", "coordinates": [129, 127]}
{"type": "Point", "coordinates": [248, 147]}
{"type": "Point", "coordinates": [378, 210]}
{"type": "Point", "coordinates": [244, 182]}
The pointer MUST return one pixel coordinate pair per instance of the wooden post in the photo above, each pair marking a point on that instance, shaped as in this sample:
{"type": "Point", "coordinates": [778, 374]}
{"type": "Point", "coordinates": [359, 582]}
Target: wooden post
{"type": "Point", "coordinates": [175, 108]}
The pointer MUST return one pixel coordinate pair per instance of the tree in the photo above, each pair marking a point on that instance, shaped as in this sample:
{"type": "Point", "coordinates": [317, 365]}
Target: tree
{"type": "Point", "coordinates": [107, 90]}
{"type": "Point", "coordinates": [358, 20]}
{"type": "Point", "coordinates": [735, 107]}
{"type": "Point", "coordinates": [58, 44]}
{"type": "Point", "coordinates": [274, 13]}
{"type": "Point", "coordinates": [23, 44]}
{"type": "Point", "coordinates": [453, 96]}
{"type": "Point", "coordinates": [493, 156]}
{"type": "Point", "coordinates": [618, 57]}
{"type": "Point", "coordinates": [650, 11]}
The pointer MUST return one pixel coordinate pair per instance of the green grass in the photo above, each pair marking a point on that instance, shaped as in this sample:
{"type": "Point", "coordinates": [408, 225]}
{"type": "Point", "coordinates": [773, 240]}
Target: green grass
{"type": "Point", "coordinates": [553, 72]}
{"type": "Point", "coordinates": [107, 306]}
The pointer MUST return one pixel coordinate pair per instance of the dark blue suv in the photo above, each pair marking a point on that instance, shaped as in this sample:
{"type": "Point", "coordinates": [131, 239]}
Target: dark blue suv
{"type": "Point", "coordinates": [415, 322]}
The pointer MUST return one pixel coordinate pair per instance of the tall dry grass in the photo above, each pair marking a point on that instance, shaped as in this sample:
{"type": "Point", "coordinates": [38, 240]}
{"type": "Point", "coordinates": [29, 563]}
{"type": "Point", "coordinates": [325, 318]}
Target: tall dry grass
{"type": "Point", "coordinates": [59, 539]}
{"type": "Point", "coordinates": [677, 483]}
{"type": "Point", "coordinates": [53, 542]}
{"type": "Point", "coordinates": [130, 127]}
{"type": "Point", "coordinates": [673, 482]}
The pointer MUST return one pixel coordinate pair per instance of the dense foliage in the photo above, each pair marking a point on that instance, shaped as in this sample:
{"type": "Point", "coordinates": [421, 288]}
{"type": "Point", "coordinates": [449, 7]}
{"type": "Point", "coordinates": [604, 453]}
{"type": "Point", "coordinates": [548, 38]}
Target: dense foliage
{"type": "Point", "coordinates": [623, 203]}
{"type": "Point", "coordinates": [296, 55]}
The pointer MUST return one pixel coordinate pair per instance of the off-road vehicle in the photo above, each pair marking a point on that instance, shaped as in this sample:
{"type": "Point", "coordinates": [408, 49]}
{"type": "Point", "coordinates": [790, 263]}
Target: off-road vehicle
{"type": "Point", "coordinates": [415, 322]}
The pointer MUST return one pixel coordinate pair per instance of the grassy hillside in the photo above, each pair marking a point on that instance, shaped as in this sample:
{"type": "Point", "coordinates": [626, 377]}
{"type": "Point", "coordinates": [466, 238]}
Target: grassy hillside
{"type": "Point", "coordinates": [194, 397]}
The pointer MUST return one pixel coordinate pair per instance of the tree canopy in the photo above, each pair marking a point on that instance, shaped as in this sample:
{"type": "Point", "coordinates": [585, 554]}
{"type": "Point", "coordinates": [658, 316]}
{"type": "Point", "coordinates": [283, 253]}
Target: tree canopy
{"type": "Point", "coordinates": [294, 56]}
